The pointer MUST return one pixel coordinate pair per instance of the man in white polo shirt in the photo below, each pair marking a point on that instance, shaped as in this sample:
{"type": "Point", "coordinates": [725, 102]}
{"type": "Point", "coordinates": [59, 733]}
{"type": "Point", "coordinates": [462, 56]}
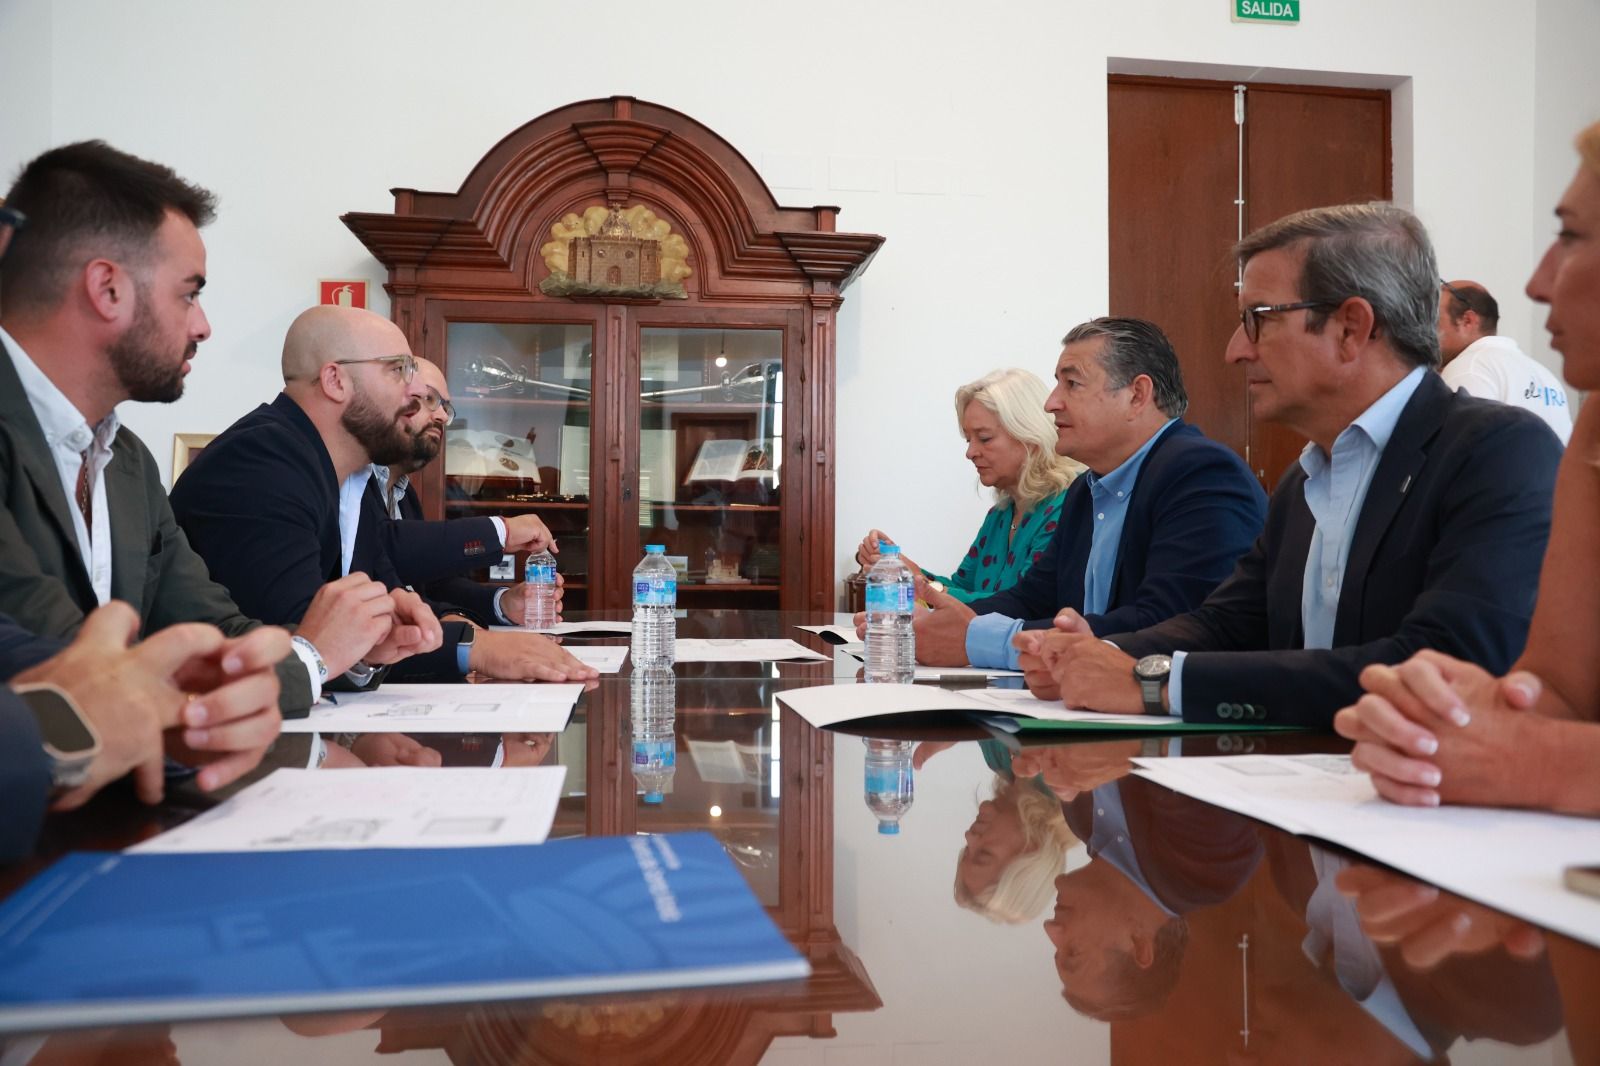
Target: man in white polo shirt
{"type": "Point", "coordinates": [1493, 367]}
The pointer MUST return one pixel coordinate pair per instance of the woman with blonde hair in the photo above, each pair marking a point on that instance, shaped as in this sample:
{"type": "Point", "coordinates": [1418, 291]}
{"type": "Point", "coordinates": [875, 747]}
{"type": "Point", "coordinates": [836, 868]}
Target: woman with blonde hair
{"type": "Point", "coordinates": [1014, 851]}
{"type": "Point", "coordinates": [1011, 443]}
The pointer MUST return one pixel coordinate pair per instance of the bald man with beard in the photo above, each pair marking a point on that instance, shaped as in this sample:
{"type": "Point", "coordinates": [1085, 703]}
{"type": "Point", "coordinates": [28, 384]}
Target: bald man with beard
{"type": "Point", "coordinates": [274, 504]}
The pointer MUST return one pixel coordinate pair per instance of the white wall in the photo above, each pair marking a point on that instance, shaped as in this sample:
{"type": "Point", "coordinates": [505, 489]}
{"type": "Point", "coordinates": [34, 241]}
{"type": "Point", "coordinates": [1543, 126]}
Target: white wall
{"type": "Point", "coordinates": [943, 126]}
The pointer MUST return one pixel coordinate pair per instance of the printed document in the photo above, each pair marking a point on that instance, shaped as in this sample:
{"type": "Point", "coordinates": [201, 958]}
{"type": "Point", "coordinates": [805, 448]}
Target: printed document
{"type": "Point", "coordinates": [1509, 860]}
{"type": "Point", "coordinates": [396, 708]}
{"type": "Point", "coordinates": [742, 650]}
{"type": "Point", "coordinates": [377, 807]}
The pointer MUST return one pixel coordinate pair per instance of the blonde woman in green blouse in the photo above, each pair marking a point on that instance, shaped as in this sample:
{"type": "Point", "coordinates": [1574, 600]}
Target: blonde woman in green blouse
{"type": "Point", "coordinates": [1011, 443]}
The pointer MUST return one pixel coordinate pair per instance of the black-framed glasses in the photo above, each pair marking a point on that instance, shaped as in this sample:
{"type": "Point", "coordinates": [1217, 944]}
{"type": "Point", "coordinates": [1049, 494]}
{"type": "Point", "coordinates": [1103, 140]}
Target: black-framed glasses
{"type": "Point", "coordinates": [10, 216]}
{"type": "Point", "coordinates": [404, 365]}
{"type": "Point", "coordinates": [432, 401]}
{"type": "Point", "coordinates": [1250, 317]}
{"type": "Point", "coordinates": [1453, 291]}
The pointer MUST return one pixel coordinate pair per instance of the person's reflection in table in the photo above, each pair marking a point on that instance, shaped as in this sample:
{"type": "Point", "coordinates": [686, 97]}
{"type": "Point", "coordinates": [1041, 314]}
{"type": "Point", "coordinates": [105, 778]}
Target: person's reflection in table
{"type": "Point", "coordinates": [1015, 847]}
{"type": "Point", "coordinates": [1119, 928]}
{"type": "Point", "coordinates": [1430, 968]}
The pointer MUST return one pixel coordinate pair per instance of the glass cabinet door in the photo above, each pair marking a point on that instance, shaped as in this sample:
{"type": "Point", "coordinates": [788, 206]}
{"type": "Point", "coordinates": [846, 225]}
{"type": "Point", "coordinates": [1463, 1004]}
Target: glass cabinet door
{"type": "Point", "coordinates": [520, 439]}
{"type": "Point", "coordinates": [710, 460]}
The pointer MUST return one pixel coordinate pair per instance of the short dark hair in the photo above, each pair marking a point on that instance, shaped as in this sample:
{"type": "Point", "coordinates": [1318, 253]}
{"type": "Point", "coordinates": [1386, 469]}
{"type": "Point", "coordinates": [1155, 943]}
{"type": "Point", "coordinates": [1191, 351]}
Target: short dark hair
{"type": "Point", "coordinates": [1376, 251]}
{"type": "Point", "coordinates": [1134, 347]}
{"type": "Point", "coordinates": [83, 201]}
{"type": "Point", "coordinates": [1464, 297]}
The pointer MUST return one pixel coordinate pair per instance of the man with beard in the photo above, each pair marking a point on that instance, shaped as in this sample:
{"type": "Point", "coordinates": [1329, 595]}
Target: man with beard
{"type": "Point", "coordinates": [435, 555]}
{"type": "Point", "coordinates": [274, 504]}
{"type": "Point", "coordinates": [102, 305]}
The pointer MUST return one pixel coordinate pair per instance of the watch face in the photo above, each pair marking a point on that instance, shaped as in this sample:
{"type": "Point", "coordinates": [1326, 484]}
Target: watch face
{"type": "Point", "coordinates": [1152, 667]}
{"type": "Point", "coordinates": [59, 723]}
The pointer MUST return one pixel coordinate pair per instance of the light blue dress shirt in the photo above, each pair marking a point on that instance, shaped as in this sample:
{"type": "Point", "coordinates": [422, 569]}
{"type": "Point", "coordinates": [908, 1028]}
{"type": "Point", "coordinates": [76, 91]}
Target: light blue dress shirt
{"type": "Point", "coordinates": [989, 636]}
{"type": "Point", "coordinates": [1336, 487]}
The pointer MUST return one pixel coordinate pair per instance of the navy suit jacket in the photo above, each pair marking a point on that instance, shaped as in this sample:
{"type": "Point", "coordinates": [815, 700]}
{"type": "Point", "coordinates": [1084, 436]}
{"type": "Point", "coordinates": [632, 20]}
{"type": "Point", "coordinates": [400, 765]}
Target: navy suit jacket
{"type": "Point", "coordinates": [261, 506]}
{"type": "Point", "coordinates": [433, 556]}
{"type": "Point", "coordinates": [1446, 555]}
{"type": "Point", "coordinates": [1195, 510]}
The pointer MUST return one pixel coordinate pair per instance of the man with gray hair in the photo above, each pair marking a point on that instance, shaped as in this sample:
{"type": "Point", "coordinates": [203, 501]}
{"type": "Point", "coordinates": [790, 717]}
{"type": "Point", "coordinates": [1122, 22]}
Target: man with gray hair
{"type": "Point", "coordinates": [1477, 359]}
{"type": "Point", "coordinates": [1415, 517]}
{"type": "Point", "coordinates": [1157, 521]}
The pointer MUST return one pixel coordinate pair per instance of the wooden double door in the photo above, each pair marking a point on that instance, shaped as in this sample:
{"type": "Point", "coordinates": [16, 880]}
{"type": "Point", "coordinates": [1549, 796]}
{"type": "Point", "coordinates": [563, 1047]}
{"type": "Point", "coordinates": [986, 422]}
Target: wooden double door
{"type": "Point", "coordinates": [1192, 164]}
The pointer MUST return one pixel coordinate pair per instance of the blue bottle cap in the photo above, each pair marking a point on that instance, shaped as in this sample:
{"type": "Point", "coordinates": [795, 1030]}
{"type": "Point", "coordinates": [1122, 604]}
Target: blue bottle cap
{"type": "Point", "coordinates": [889, 829]}
{"type": "Point", "coordinates": [888, 549]}
{"type": "Point", "coordinates": [655, 548]}
{"type": "Point", "coordinates": [652, 797]}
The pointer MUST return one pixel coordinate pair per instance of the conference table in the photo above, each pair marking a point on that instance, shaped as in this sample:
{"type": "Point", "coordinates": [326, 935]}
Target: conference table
{"type": "Point", "coordinates": [1178, 932]}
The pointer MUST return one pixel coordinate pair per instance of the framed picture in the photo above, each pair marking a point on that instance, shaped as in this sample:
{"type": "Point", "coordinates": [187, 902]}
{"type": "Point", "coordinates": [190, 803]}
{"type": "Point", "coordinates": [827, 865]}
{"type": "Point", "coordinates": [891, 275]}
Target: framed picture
{"type": "Point", "coordinates": [185, 446]}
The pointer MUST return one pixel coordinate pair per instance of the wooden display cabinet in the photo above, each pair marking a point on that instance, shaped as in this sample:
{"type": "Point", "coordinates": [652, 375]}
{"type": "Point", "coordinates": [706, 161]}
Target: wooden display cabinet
{"type": "Point", "coordinates": [639, 343]}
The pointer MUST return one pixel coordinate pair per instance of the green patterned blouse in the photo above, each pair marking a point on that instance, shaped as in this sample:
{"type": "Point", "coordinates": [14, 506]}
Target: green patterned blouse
{"type": "Point", "coordinates": [991, 565]}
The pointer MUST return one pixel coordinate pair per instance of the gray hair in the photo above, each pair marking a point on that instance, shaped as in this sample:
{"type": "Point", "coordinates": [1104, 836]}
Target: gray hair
{"type": "Point", "coordinates": [1133, 347]}
{"type": "Point", "coordinates": [1376, 251]}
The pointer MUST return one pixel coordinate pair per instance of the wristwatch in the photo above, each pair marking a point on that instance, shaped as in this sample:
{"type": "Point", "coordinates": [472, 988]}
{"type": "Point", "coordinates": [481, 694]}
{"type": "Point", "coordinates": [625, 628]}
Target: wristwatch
{"type": "Point", "coordinates": [469, 633]}
{"type": "Point", "coordinates": [1152, 672]}
{"type": "Point", "coordinates": [70, 742]}
{"type": "Point", "coordinates": [360, 674]}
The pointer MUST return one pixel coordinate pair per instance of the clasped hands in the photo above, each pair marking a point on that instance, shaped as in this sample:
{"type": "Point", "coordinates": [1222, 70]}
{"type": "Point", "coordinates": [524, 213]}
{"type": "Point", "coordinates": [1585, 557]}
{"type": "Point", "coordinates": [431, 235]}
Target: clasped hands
{"type": "Point", "coordinates": [1439, 730]}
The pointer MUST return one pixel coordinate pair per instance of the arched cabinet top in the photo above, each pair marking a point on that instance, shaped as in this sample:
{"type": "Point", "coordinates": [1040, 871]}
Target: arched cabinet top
{"type": "Point", "coordinates": [618, 152]}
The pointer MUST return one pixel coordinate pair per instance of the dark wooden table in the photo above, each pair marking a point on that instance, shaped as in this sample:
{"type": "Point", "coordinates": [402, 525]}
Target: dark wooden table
{"type": "Point", "coordinates": [1178, 932]}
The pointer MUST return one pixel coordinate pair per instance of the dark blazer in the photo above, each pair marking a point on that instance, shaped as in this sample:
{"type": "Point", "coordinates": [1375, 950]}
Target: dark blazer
{"type": "Point", "coordinates": [433, 556]}
{"type": "Point", "coordinates": [1446, 555]}
{"type": "Point", "coordinates": [1195, 509]}
{"type": "Point", "coordinates": [261, 506]}
{"type": "Point", "coordinates": [43, 582]}
{"type": "Point", "coordinates": [24, 771]}
{"type": "Point", "coordinates": [1191, 854]}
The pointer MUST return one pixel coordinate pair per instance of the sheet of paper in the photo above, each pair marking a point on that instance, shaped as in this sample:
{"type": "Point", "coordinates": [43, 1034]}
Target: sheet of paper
{"type": "Point", "coordinates": [569, 629]}
{"type": "Point", "coordinates": [742, 650]}
{"type": "Point", "coordinates": [825, 705]}
{"type": "Point", "coordinates": [512, 708]}
{"type": "Point", "coordinates": [379, 807]}
{"type": "Point", "coordinates": [1019, 702]}
{"type": "Point", "coordinates": [605, 658]}
{"type": "Point", "coordinates": [1509, 860]}
{"type": "Point", "coordinates": [939, 673]}
{"type": "Point", "coordinates": [834, 634]}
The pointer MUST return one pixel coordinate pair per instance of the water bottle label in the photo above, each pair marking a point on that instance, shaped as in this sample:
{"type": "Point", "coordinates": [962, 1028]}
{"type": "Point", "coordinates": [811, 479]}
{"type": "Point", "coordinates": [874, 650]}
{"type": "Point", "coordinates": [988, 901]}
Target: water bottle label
{"type": "Point", "coordinates": [892, 779]}
{"type": "Point", "coordinates": [654, 752]}
{"type": "Point", "coordinates": [655, 591]}
{"type": "Point", "coordinates": [891, 597]}
{"type": "Point", "coordinates": [541, 575]}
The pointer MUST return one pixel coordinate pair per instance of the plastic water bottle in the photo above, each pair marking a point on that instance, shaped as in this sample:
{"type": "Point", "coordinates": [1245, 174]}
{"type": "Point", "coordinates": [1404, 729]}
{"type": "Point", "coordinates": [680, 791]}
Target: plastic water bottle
{"type": "Point", "coordinates": [655, 595]}
{"type": "Point", "coordinates": [539, 590]}
{"type": "Point", "coordinates": [889, 786]}
{"type": "Point", "coordinates": [891, 642]}
{"type": "Point", "coordinates": [655, 705]}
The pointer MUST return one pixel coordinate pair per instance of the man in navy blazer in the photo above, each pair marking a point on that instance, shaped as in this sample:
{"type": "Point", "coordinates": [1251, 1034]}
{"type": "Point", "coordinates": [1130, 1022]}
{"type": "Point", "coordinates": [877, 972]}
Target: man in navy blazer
{"type": "Point", "coordinates": [275, 504]}
{"type": "Point", "coordinates": [434, 556]}
{"type": "Point", "coordinates": [1157, 522]}
{"type": "Point", "coordinates": [1415, 517]}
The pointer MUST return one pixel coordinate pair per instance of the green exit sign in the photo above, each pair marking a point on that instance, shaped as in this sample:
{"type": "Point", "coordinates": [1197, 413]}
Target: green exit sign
{"type": "Point", "coordinates": [1280, 11]}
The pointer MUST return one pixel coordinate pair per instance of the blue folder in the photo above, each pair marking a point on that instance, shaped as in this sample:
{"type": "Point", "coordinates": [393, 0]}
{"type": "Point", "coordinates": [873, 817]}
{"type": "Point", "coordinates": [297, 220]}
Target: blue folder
{"type": "Point", "coordinates": [106, 939]}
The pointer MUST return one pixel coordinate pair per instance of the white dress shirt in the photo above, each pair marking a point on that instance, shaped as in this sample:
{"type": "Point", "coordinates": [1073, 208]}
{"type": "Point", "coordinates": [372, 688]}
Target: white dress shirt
{"type": "Point", "coordinates": [68, 434]}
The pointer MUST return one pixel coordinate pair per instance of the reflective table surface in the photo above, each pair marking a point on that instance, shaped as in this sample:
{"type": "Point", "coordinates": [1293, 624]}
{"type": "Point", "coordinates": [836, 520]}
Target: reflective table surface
{"type": "Point", "coordinates": [1038, 904]}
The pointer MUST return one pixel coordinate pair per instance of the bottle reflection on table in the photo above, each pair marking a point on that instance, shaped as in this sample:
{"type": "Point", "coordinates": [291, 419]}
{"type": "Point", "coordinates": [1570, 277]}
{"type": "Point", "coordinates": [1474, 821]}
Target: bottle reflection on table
{"type": "Point", "coordinates": [654, 715]}
{"type": "Point", "coordinates": [889, 789]}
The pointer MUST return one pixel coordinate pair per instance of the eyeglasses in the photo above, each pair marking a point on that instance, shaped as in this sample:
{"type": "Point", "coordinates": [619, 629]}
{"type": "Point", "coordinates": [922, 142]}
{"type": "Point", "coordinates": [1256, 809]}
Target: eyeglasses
{"type": "Point", "coordinates": [1451, 289]}
{"type": "Point", "coordinates": [1250, 317]}
{"type": "Point", "coordinates": [432, 401]}
{"type": "Point", "coordinates": [10, 216]}
{"type": "Point", "coordinates": [404, 365]}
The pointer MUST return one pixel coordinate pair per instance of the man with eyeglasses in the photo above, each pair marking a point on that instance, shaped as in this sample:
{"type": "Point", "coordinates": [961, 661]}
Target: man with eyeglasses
{"type": "Point", "coordinates": [1416, 517]}
{"type": "Point", "coordinates": [275, 504]}
{"type": "Point", "coordinates": [1478, 359]}
{"type": "Point", "coordinates": [434, 555]}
